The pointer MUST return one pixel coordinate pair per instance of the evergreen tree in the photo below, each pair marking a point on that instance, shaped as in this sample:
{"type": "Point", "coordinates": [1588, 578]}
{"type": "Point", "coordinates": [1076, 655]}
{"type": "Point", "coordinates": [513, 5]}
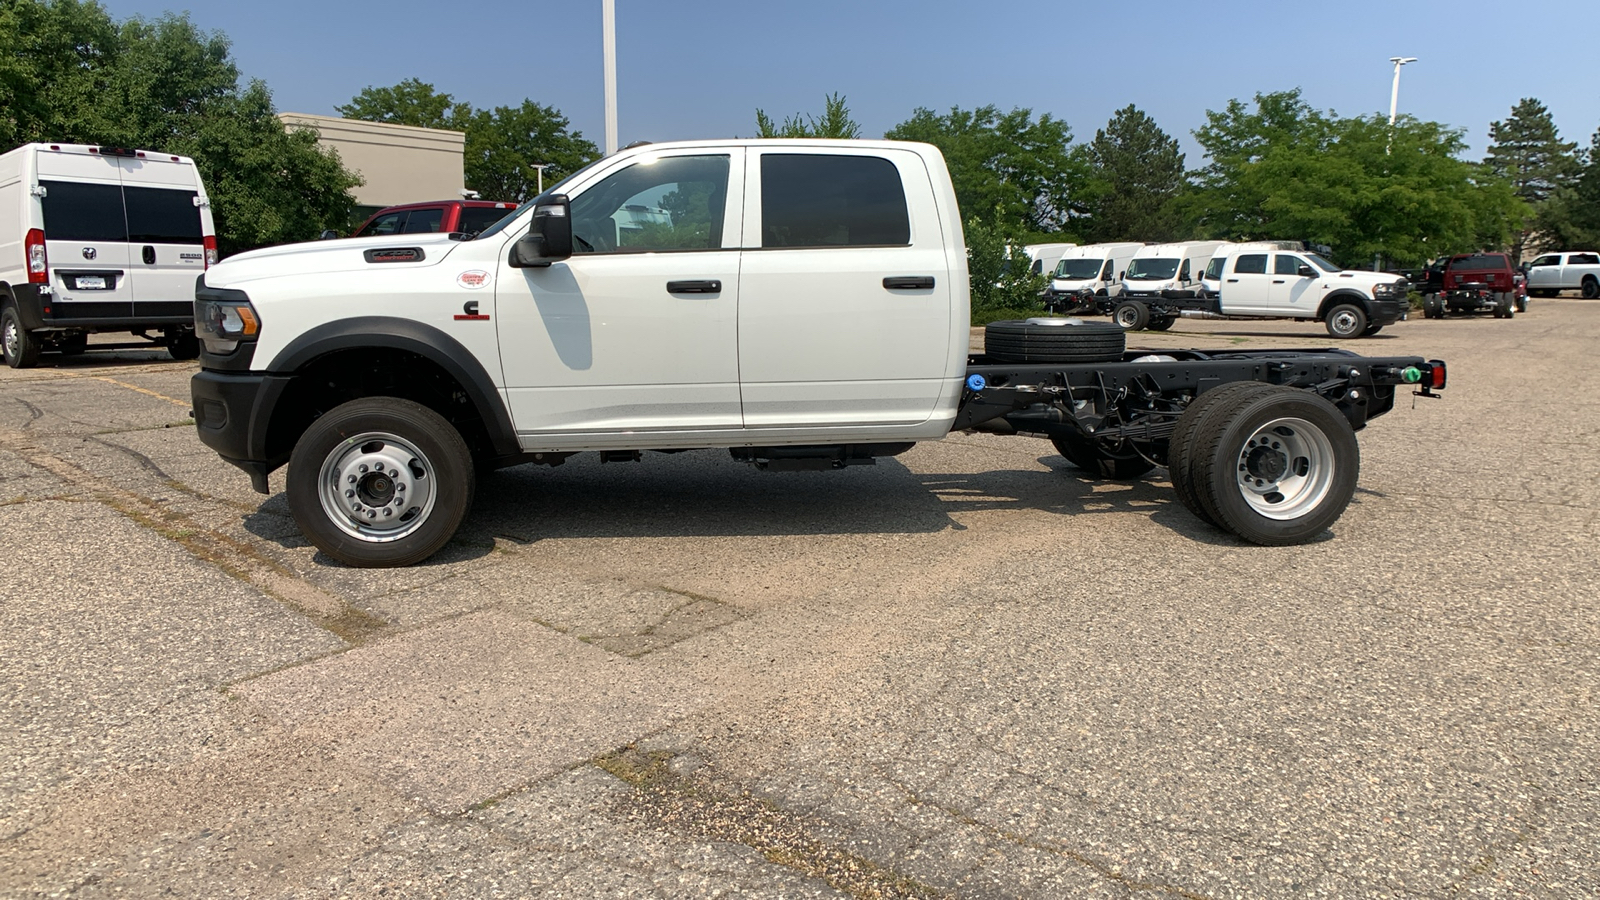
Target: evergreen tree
{"type": "Point", "coordinates": [1135, 175]}
{"type": "Point", "coordinates": [1570, 218]}
{"type": "Point", "coordinates": [1527, 152]}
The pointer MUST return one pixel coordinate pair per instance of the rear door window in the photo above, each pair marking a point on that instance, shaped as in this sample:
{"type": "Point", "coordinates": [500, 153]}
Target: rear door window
{"type": "Point", "coordinates": [84, 211]}
{"type": "Point", "coordinates": [162, 216]}
{"type": "Point", "coordinates": [423, 221]}
{"type": "Point", "coordinates": [1250, 264]}
{"type": "Point", "coordinates": [1583, 259]}
{"type": "Point", "coordinates": [826, 200]}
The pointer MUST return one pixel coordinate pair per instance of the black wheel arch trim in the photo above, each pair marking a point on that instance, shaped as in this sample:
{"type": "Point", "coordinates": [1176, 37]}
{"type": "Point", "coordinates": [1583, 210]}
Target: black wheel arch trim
{"type": "Point", "coordinates": [24, 298]}
{"type": "Point", "coordinates": [414, 337]}
{"type": "Point", "coordinates": [1343, 296]}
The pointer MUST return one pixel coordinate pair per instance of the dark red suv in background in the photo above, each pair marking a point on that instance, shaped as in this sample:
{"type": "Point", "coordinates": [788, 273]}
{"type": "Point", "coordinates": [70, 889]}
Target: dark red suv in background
{"type": "Point", "coordinates": [1473, 282]}
{"type": "Point", "coordinates": [469, 216]}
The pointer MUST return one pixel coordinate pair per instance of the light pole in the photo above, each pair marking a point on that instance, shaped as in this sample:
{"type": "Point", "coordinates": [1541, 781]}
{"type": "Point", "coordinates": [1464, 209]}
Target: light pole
{"type": "Point", "coordinates": [539, 167]}
{"type": "Point", "coordinates": [1394, 94]}
{"type": "Point", "coordinates": [608, 44]}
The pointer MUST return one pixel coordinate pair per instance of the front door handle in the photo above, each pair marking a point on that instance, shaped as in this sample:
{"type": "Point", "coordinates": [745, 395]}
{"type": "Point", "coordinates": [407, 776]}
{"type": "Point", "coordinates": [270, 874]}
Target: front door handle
{"type": "Point", "coordinates": [708, 286]}
{"type": "Point", "coordinates": [908, 282]}
{"type": "Point", "coordinates": [1277, 281]}
{"type": "Point", "coordinates": [1233, 281]}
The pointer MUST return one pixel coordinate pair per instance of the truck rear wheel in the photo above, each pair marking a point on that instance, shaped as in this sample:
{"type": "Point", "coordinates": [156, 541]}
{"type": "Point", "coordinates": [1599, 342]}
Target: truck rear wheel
{"type": "Point", "coordinates": [1504, 305]}
{"type": "Point", "coordinates": [1161, 323]}
{"type": "Point", "coordinates": [380, 482]}
{"type": "Point", "coordinates": [1276, 467]}
{"type": "Point", "coordinates": [17, 345]}
{"type": "Point", "coordinates": [1053, 341]}
{"type": "Point", "coordinates": [1131, 315]}
{"type": "Point", "coordinates": [1590, 288]}
{"type": "Point", "coordinates": [1346, 321]}
{"type": "Point", "coordinates": [1088, 456]}
{"type": "Point", "coordinates": [1180, 448]}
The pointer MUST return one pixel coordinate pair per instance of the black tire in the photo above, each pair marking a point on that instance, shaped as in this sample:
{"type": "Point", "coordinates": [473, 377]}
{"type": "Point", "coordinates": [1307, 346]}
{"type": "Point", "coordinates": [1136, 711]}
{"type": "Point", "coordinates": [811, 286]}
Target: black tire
{"type": "Point", "coordinates": [1162, 323]}
{"type": "Point", "coordinates": [1087, 456]}
{"type": "Point", "coordinates": [340, 499]}
{"type": "Point", "coordinates": [184, 345]}
{"type": "Point", "coordinates": [1180, 448]}
{"type": "Point", "coordinates": [1371, 330]}
{"type": "Point", "coordinates": [1276, 468]}
{"type": "Point", "coordinates": [1432, 307]}
{"type": "Point", "coordinates": [1590, 288]}
{"type": "Point", "coordinates": [1065, 340]}
{"type": "Point", "coordinates": [19, 347]}
{"type": "Point", "coordinates": [1346, 321]}
{"type": "Point", "coordinates": [1131, 315]}
{"type": "Point", "coordinates": [1522, 303]}
{"type": "Point", "coordinates": [72, 344]}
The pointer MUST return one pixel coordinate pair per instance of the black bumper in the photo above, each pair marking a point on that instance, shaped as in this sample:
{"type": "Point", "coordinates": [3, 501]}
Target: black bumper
{"type": "Point", "coordinates": [38, 310]}
{"type": "Point", "coordinates": [232, 413]}
{"type": "Point", "coordinates": [1387, 312]}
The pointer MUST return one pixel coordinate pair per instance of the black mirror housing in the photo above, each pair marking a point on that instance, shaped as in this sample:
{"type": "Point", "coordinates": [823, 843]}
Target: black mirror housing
{"type": "Point", "coordinates": [328, 235]}
{"type": "Point", "coordinates": [1307, 272]}
{"type": "Point", "coordinates": [549, 238]}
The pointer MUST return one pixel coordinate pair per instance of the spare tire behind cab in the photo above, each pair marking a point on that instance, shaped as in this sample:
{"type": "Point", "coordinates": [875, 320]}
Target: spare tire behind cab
{"type": "Point", "coordinates": [1053, 341]}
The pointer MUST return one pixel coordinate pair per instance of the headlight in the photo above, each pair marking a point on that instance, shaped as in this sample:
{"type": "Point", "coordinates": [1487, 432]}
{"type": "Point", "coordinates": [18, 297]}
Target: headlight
{"type": "Point", "coordinates": [1389, 289]}
{"type": "Point", "coordinates": [222, 324]}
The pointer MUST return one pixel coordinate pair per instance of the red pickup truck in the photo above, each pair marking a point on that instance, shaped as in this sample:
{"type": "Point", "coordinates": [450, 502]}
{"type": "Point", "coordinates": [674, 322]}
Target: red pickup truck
{"type": "Point", "coordinates": [1475, 282]}
{"type": "Point", "coordinates": [439, 216]}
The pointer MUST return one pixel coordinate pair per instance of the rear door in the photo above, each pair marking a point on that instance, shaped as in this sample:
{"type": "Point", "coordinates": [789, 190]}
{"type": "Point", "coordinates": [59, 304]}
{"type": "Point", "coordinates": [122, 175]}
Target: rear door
{"type": "Point", "coordinates": [166, 235]}
{"type": "Point", "coordinates": [1246, 286]}
{"type": "Point", "coordinates": [844, 289]}
{"type": "Point", "coordinates": [86, 235]}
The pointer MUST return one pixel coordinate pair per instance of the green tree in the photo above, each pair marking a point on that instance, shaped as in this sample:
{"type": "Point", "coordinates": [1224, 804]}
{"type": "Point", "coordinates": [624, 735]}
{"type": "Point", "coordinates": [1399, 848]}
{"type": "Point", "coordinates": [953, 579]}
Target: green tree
{"type": "Point", "coordinates": [834, 123]}
{"type": "Point", "coordinates": [1013, 169]}
{"type": "Point", "coordinates": [1001, 288]}
{"type": "Point", "coordinates": [1570, 218]}
{"type": "Point", "coordinates": [1228, 201]}
{"type": "Point", "coordinates": [1135, 177]}
{"type": "Point", "coordinates": [1526, 151]}
{"type": "Point", "coordinates": [504, 144]}
{"type": "Point", "coordinates": [411, 102]}
{"type": "Point", "coordinates": [70, 73]}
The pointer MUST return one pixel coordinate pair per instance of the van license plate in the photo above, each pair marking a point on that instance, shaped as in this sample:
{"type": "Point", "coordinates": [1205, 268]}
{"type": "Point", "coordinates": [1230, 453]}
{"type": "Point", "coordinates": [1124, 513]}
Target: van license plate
{"type": "Point", "coordinates": [91, 282]}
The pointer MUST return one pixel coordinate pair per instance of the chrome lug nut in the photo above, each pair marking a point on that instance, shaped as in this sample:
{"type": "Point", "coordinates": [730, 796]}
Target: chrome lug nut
{"type": "Point", "coordinates": [362, 469]}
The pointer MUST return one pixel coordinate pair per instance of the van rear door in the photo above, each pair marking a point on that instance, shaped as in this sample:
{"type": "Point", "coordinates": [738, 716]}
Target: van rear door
{"type": "Point", "coordinates": [86, 236]}
{"type": "Point", "coordinates": [166, 235]}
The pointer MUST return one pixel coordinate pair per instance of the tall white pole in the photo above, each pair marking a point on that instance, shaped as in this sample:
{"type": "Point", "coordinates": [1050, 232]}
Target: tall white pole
{"type": "Point", "coordinates": [608, 25]}
{"type": "Point", "coordinates": [1394, 93]}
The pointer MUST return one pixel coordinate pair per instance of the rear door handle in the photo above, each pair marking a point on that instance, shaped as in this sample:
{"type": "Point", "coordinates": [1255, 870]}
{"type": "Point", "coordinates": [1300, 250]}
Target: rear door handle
{"type": "Point", "coordinates": [908, 282]}
{"type": "Point", "coordinates": [149, 255]}
{"type": "Point", "coordinates": [1277, 281]}
{"type": "Point", "coordinates": [1233, 281]}
{"type": "Point", "coordinates": [709, 286]}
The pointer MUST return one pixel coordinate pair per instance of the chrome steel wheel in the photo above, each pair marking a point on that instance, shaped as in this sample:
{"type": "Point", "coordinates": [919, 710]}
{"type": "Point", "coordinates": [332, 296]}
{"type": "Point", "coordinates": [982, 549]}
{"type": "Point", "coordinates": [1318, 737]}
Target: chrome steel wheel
{"type": "Point", "coordinates": [1345, 323]}
{"type": "Point", "coordinates": [1286, 468]}
{"type": "Point", "coordinates": [377, 487]}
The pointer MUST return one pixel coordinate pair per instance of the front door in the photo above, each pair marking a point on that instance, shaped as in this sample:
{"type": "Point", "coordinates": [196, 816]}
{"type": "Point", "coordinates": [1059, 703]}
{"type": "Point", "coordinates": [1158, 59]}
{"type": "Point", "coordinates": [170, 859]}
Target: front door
{"type": "Point", "coordinates": [636, 332]}
{"type": "Point", "coordinates": [1293, 294]}
{"type": "Point", "coordinates": [844, 297]}
{"type": "Point", "coordinates": [1544, 273]}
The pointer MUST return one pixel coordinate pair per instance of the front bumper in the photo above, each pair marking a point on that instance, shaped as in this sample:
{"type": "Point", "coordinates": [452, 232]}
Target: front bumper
{"type": "Point", "coordinates": [1389, 311]}
{"type": "Point", "coordinates": [232, 412]}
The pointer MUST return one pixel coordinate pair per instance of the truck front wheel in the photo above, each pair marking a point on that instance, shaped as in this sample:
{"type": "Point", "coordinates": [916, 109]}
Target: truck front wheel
{"type": "Point", "coordinates": [1090, 458]}
{"type": "Point", "coordinates": [1276, 467]}
{"type": "Point", "coordinates": [1131, 315]}
{"type": "Point", "coordinates": [1346, 321]}
{"type": "Point", "coordinates": [380, 482]}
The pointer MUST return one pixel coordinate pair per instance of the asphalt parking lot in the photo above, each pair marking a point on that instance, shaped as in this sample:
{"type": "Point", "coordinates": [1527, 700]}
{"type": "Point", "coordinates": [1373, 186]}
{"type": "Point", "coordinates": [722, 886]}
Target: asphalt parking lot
{"type": "Point", "coordinates": [967, 671]}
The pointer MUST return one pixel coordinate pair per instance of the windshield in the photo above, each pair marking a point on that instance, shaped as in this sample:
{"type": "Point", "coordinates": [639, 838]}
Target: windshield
{"type": "Point", "coordinates": [1078, 269]}
{"type": "Point", "coordinates": [1152, 269]}
{"type": "Point", "coordinates": [556, 188]}
{"type": "Point", "coordinates": [1321, 263]}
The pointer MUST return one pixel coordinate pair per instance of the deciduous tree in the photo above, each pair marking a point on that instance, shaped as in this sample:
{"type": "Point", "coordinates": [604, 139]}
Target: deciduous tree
{"type": "Point", "coordinates": [835, 122]}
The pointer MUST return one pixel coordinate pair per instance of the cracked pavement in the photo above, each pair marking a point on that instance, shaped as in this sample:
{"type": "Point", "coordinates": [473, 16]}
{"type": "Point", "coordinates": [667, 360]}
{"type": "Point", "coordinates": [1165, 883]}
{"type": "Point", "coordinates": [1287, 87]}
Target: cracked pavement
{"type": "Point", "coordinates": [965, 672]}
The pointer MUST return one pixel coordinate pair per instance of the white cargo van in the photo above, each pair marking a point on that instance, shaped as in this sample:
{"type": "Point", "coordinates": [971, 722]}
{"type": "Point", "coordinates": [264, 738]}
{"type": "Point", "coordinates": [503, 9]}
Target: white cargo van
{"type": "Point", "coordinates": [1211, 278]}
{"type": "Point", "coordinates": [1161, 271]}
{"type": "Point", "coordinates": [1044, 257]}
{"type": "Point", "coordinates": [98, 239]}
{"type": "Point", "coordinates": [1089, 276]}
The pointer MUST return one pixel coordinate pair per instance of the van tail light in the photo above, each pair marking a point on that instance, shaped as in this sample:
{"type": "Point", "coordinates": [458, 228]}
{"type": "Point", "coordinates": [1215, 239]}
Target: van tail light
{"type": "Point", "coordinates": [211, 250]}
{"type": "Point", "coordinates": [38, 264]}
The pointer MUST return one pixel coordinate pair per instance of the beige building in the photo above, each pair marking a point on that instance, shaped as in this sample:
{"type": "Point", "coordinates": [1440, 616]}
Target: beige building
{"type": "Point", "coordinates": [400, 163]}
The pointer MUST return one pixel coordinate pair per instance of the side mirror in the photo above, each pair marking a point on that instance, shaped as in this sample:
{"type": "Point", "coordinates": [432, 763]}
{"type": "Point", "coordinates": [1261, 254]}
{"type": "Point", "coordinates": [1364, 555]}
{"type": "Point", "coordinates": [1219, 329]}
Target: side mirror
{"type": "Point", "coordinates": [549, 239]}
{"type": "Point", "coordinates": [328, 235]}
{"type": "Point", "coordinates": [1307, 272]}
{"type": "Point", "coordinates": [1121, 275]}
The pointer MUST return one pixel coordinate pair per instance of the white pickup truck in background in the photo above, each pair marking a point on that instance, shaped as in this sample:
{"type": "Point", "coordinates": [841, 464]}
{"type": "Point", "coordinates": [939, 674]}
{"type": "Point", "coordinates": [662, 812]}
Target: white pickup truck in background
{"type": "Point", "coordinates": [1576, 271]}
{"type": "Point", "coordinates": [803, 305]}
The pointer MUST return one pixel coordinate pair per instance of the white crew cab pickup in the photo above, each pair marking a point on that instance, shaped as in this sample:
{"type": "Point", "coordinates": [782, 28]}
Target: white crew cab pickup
{"type": "Point", "coordinates": [800, 303]}
{"type": "Point", "coordinates": [1551, 273]}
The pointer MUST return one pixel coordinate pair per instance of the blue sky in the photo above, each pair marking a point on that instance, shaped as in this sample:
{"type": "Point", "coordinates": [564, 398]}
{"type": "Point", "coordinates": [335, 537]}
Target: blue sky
{"type": "Point", "coordinates": [700, 68]}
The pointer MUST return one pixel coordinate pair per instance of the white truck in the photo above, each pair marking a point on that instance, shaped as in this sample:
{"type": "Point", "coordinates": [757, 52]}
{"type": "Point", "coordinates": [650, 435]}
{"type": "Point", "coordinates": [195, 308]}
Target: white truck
{"type": "Point", "coordinates": [1260, 283]}
{"type": "Point", "coordinates": [807, 308]}
{"type": "Point", "coordinates": [1088, 277]}
{"type": "Point", "coordinates": [99, 239]}
{"type": "Point", "coordinates": [1211, 278]}
{"type": "Point", "coordinates": [1554, 272]}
